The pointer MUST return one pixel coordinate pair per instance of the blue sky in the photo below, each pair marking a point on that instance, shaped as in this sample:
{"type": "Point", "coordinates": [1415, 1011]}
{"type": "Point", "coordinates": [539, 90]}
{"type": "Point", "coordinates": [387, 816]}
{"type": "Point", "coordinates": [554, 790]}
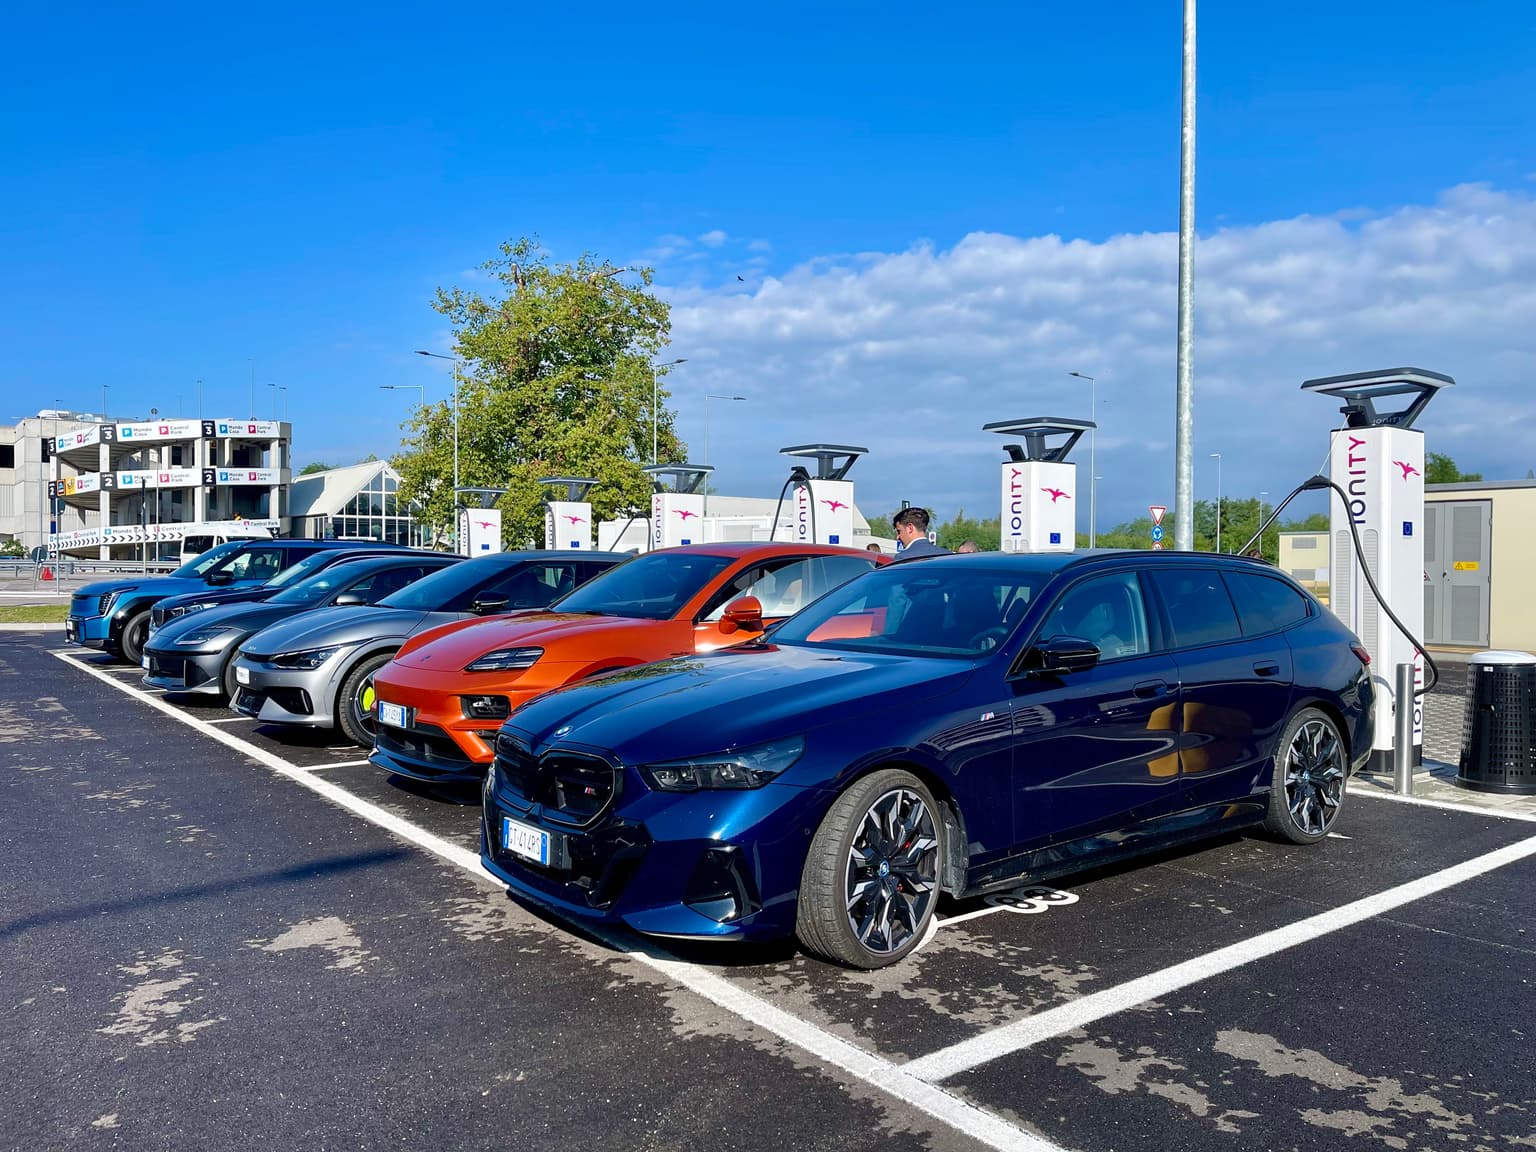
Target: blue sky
{"type": "Point", "coordinates": [194, 189]}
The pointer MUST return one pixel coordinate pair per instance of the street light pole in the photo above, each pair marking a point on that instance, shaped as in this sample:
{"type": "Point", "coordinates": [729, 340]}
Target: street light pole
{"type": "Point", "coordinates": [455, 359]}
{"type": "Point", "coordinates": [1093, 465]}
{"type": "Point", "coordinates": [708, 396]}
{"type": "Point", "coordinates": [655, 403]}
{"type": "Point", "coordinates": [1184, 395]}
{"type": "Point", "coordinates": [422, 388]}
{"type": "Point", "coordinates": [1216, 456]}
{"type": "Point", "coordinates": [1261, 522]}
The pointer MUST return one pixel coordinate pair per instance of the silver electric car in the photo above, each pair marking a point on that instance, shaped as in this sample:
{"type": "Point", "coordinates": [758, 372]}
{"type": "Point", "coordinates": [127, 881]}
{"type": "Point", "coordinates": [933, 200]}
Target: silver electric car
{"type": "Point", "coordinates": [317, 670]}
{"type": "Point", "coordinates": [195, 653]}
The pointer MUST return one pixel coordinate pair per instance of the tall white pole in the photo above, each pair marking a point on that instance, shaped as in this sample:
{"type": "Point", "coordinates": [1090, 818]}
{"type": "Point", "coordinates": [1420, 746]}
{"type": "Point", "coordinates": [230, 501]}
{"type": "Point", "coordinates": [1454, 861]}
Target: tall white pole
{"type": "Point", "coordinates": [455, 427]}
{"type": "Point", "coordinates": [1184, 451]}
{"type": "Point", "coordinates": [654, 416]}
{"type": "Point", "coordinates": [1093, 464]}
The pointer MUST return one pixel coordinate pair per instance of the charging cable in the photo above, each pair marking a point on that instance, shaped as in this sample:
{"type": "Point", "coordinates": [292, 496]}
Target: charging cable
{"type": "Point", "coordinates": [1317, 483]}
{"type": "Point", "coordinates": [799, 477]}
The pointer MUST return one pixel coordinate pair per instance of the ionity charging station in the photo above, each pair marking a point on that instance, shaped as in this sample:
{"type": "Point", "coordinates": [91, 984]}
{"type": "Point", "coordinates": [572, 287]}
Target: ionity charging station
{"type": "Point", "coordinates": [677, 505]}
{"type": "Point", "coordinates": [823, 508]}
{"type": "Point", "coordinates": [1039, 485]}
{"type": "Point", "coordinates": [1377, 458]}
{"type": "Point", "coordinates": [479, 520]}
{"type": "Point", "coordinates": [568, 522]}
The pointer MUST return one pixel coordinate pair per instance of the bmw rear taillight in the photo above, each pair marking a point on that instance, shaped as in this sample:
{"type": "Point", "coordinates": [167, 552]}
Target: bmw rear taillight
{"type": "Point", "coordinates": [1359, 650]}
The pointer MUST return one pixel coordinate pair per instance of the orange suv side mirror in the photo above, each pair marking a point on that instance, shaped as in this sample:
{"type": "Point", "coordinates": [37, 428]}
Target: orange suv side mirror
{"type": "Point", "coordinates": [745, 613]}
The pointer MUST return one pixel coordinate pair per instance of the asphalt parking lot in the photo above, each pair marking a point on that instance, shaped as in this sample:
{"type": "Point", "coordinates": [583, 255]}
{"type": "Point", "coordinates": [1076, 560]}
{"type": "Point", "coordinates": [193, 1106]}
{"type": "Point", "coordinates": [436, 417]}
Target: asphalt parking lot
{"type": "Point", "coordinates": [215, 935]}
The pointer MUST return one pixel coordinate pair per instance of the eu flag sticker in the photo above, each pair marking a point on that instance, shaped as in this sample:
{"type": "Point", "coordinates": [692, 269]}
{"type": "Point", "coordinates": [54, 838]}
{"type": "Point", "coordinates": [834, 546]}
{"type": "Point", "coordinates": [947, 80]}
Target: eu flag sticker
{"type": "Point", "coordinates": [1055, 537]}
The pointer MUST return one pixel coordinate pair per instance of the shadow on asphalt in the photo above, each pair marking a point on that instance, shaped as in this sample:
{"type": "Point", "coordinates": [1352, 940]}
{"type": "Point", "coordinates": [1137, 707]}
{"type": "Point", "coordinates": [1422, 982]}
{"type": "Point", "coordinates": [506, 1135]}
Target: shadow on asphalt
{"type": "Point", "coordinates": [335, 865]}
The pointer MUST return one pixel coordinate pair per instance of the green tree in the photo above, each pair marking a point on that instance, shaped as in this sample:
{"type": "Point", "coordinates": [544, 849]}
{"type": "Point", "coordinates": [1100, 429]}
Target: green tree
{"type": "Point", "coordinates": [557, 380]}
{"type": "Point", "coordinates": [954, 532]}
{"type": "Point", "coordinates": [314, 466]}
{"type": "Point", "coordinates": [1441, 469]}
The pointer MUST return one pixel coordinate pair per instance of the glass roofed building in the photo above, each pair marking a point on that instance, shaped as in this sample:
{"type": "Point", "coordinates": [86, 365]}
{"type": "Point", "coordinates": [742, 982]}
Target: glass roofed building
{"type": "Point", "coordinates": [359, 501]}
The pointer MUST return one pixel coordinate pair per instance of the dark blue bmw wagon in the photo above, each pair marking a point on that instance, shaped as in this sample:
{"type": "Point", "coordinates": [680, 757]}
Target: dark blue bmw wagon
{"type": "Point", "coordinates": [955, 726]}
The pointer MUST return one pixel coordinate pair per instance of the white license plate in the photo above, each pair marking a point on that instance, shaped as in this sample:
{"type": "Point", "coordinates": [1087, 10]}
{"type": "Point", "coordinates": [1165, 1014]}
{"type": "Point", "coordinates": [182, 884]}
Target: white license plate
{"type": "Point", "coordinates": [392, 714]}
{"type": "Point", "coordinates": [522, 840]}
{"type": "Point", "coordinates": [242, 675]}
{"type": "Point", "coordinates": [144, 662]}
{"type": "Point", "coordinates": [70, 628]}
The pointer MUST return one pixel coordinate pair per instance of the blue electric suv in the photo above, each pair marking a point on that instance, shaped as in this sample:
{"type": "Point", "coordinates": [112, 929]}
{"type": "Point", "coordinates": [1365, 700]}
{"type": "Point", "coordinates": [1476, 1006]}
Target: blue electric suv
{"type": "Point", "coordinates": [113, 615]}
{"type": "Point", "coordinates": [958, 726]}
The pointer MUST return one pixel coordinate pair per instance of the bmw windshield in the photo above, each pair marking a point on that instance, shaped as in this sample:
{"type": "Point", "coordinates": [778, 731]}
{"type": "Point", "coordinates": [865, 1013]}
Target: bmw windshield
{"type": "Point", "coordinates": [650, 587]}
{"type": "Point", "coordinates": [918, 609]}
{"type": "Point", "coordinates": [301, 569]}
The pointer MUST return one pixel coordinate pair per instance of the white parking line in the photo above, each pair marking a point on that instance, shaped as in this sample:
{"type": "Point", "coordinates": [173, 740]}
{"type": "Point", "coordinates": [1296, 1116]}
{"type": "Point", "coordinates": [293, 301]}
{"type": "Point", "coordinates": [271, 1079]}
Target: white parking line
{"type": "Point", "coordinates": [340, 764]}
{"type": "Point", "coordinates": [896, 1081]}
{"type": "Point", "coordinates": [1444, 805]}
{"type": "Point", "coordinates": [967, 1054]}
{"type": "Point", "coordinates": [228, 720]}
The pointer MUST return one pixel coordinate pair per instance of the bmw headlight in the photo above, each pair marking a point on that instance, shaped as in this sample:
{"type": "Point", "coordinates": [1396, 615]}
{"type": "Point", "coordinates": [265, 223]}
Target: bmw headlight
{"type": "Point", "coordinates": [306, 660]}
{"type": "Point", "coordinates": [744, 768]}
{"type": "Point", "coordinates": [506, 660]}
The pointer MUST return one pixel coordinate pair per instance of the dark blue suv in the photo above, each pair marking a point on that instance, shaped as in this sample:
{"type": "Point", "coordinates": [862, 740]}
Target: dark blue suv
{"type": "Point", "coordinates": [961, 725]}
{"type": "Point", "coordinates": [113, 615]}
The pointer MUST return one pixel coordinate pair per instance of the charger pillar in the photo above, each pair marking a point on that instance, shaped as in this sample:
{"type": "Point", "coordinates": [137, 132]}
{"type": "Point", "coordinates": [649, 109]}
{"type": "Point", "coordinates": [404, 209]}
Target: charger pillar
{"type": "Point", "coordinates": [568, 522]}
{"type": "Point", "coordinates": [677, 505]}
{"type": "Point", "coordinates": [1378, 459]}
{"type": "Point", "coordinates": [823, 501]}
{"type": "Point", "coordinates": [1038, 484]}
{"type": "Point", "coordinates": [479, 521]}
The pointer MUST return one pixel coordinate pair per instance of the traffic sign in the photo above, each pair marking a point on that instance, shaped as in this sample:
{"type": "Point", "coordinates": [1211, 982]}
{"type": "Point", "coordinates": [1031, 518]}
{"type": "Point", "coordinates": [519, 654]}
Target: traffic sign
{"type": "Point", "coordinates": [1157, 533]}
{"type": "Point", "coordinates": [1158, 512]}
{"type": "Point", "coordinates": [1157, 545]}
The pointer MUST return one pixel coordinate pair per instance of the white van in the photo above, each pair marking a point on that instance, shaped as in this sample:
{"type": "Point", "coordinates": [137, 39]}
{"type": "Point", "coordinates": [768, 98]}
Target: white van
{"type": "Point", "coordinates": [195, 544]}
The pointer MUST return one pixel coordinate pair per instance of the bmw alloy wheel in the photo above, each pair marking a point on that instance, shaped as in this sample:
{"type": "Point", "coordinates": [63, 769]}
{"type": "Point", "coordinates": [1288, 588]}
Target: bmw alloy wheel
{"type": "Point", "coordinates": [1314, 777]}
{"type": "Point", "coordinates": [892, 872]}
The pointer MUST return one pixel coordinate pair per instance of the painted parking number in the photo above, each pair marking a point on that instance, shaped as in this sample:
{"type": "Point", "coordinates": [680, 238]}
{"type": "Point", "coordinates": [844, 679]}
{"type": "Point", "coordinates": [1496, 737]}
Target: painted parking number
{"type": "Point", "coordinates": [1033, 900]}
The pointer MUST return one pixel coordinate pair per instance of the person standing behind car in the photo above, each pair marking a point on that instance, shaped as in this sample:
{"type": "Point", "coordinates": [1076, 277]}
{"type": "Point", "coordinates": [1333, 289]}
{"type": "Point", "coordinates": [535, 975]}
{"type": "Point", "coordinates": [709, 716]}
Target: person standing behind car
{"type": "Point", "coordinates": [912, 543]}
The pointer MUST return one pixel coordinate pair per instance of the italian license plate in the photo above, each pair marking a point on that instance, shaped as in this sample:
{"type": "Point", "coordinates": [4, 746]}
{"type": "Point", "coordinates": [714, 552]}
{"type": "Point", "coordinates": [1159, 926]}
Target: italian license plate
{"type": "Point", "coordinates": [242, 675]}
{"type": "Point", "coordinates": [525, 841]}
{"type": "Point", "coordinates": [71, 629]}
{"type": "Point", "coordinates": [395, 715]}
{"type": "Point", "coordinates": [144, 662]}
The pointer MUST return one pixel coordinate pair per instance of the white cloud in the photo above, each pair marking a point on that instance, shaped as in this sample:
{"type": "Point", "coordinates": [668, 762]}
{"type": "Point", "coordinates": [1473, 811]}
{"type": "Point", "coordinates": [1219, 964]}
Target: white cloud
{"type": "Point", "coordinates": [713, 238]}
{"type": "Point", "coordinates": [759, 246]}
{"type": "Point", "coordinates": [909, 353]}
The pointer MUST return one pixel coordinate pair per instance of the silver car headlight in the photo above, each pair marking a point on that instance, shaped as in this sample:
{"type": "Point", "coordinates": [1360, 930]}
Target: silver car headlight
{"type": "Point", "coordinates": [308, 659]}
{"type": "Point", "coordinates": [205, 636]}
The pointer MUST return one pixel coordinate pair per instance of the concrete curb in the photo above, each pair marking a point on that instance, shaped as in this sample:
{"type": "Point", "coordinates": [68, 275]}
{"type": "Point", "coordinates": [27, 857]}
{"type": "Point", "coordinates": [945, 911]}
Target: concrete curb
{"type": "Point", "coordinates": [48, 626]}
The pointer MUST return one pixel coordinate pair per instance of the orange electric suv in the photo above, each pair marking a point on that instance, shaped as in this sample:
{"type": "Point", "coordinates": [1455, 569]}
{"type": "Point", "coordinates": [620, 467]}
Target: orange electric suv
{"type": "Point", "coordinates": [440, 702]}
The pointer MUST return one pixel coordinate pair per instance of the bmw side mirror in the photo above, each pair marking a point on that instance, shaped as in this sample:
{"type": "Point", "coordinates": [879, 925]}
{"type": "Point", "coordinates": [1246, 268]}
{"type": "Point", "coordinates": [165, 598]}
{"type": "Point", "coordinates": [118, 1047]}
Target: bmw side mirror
{"type": "Point", "coordinates": [1060, 655]}
{"type": "Point", "coordinates": [489, 605]}
{"type": "Point", "coordinates": [349, 599]}
{"type": "Point", "coordinates": [220, 579]}
{"type": "Point", "coordinates": [745, 614]}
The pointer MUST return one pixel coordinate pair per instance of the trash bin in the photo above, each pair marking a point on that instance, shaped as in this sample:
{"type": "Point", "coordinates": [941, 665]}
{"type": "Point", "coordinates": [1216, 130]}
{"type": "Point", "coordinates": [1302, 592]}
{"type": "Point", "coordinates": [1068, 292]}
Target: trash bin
{"type": "Point", "coordinates": [1498, 740]}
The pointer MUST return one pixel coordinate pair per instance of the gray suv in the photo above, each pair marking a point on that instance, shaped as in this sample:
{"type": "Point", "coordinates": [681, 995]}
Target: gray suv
{"type": "Point", "coordinates": [316, 671]}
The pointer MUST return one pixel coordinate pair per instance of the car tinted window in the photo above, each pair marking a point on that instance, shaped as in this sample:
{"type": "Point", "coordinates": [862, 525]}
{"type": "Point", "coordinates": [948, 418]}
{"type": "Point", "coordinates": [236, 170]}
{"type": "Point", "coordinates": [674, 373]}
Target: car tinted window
{"type": "Point", "coordinates": [909, 609]}
{"type": "Point", "coordinates": [532, 585]}
{"type": "Point", "coordinates": [787, 585]}
{"type": "Point", "coordinates": [454, 585]}
{"type": "Point", "coordinates": [650, 587]}
{"type": "Point", "coordinates": [206, 561]}
{"type": "Point", "coordinates": [305, 566]}
{"type": "Point", "coordinates": [1198, 606]}
{"type": "Point", "coordinates": [255, 563]}
{"type": "Point", "coordinates": [1265, 604]}
{"type": "Point", "coordinates": [1107, 611]}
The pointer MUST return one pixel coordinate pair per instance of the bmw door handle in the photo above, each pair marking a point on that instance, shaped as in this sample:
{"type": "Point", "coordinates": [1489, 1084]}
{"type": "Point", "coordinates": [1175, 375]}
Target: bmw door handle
{"type": "Point", "coordinates": [1150, 689]}
{"type": "Point", "coordinates": [1267, 668]}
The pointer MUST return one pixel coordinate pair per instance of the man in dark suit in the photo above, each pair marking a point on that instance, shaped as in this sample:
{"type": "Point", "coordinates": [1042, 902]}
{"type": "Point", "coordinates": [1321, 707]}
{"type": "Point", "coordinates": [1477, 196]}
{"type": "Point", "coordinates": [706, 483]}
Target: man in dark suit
{"type": "Point", "coordinates": [912, 543]}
